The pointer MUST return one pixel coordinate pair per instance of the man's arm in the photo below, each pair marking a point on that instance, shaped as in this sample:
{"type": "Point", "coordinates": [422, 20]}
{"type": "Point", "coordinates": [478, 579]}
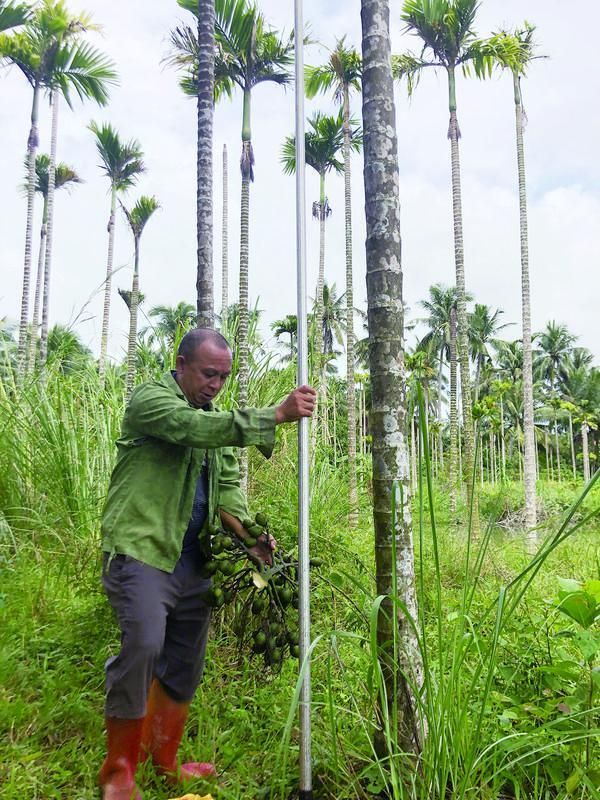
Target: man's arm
{"type": "Point", "coordinates": [155, 411]}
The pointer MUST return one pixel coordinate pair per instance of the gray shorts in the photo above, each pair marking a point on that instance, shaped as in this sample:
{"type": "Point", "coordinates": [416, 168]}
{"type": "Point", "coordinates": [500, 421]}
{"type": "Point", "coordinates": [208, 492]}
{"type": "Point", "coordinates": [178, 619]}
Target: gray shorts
{"type": "Point", "coordinates": [164, 628]}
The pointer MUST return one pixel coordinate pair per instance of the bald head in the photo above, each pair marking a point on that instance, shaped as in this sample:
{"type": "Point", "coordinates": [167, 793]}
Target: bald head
{"type": "Point", "coordinates": [203, 365]}
{"type": "Point", "coordinates": [192, 340]}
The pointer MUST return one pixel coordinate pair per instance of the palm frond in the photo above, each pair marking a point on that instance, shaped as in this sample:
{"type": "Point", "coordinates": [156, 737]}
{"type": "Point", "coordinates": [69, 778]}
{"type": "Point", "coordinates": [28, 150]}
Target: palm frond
{"type": "Point", "coordinates": [138, 216]}
{"type": "Point", "coordinates": [81, 67]}
{"type": "Point", "coordinates": [12, 15]}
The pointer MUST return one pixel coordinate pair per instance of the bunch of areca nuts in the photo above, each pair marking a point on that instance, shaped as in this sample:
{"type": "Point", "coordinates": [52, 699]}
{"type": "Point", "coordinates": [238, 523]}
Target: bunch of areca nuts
{"type": "Point", "coordinates": [264, 598]}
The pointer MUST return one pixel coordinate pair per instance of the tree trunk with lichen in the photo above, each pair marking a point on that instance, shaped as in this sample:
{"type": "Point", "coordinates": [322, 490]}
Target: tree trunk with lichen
{"type": "Point", "coordinates": [225, 240]}
{"type": "Point", "coordinates": [247, 170]}
{"type": "Point", "coordinates": [394, 557]}
{"type": "Point", "coordinates": [204, 200]}
{"type": "Point", "coordinates": [350, 390]}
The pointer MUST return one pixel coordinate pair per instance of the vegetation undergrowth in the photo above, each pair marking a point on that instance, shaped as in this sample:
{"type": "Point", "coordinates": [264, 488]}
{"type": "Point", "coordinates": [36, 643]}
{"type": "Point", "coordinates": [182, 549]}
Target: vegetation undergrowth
{"type": "Point", "coordinates": [509, 699]}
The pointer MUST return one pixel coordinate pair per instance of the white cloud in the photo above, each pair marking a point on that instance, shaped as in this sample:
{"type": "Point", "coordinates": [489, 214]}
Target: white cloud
{"type": "Point", "coordinates": [562, 166]}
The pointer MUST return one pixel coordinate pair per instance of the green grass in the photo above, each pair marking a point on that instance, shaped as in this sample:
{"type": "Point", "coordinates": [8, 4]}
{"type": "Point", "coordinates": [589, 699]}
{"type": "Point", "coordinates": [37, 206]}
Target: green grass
{"type": "Point", "coordinates": [505, 695]}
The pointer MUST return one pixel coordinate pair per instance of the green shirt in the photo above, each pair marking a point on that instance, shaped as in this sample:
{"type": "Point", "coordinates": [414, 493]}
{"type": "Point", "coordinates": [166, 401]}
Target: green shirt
{"type": "Point", "coordinates": [162, 446]}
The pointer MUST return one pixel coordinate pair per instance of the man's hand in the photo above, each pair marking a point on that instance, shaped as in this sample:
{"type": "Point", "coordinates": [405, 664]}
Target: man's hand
{"type": "Point", "coordinates": [262, 552]}
{"type": "Point", "coordinates": [299, 403]}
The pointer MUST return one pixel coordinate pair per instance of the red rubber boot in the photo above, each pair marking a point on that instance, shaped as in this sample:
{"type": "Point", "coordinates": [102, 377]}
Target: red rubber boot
{"type": "Point", "coordinates": [117, 774]}
{"type": "Point", "coordinates": [162, 731]}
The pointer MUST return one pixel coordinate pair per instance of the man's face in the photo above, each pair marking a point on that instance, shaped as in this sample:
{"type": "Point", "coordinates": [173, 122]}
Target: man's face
{"type": "Point", "coordinates": [202, 376]}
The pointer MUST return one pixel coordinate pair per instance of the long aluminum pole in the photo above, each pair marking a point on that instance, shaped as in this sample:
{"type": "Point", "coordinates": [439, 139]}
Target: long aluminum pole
{"type": "Point", "coordinates": [303, 475]}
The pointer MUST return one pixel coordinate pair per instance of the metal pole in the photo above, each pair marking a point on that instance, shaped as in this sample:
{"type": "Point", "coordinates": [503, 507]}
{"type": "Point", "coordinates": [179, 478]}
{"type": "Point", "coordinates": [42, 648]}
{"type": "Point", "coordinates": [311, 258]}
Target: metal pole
{"type": "Point", "coordinates": [303, 476]}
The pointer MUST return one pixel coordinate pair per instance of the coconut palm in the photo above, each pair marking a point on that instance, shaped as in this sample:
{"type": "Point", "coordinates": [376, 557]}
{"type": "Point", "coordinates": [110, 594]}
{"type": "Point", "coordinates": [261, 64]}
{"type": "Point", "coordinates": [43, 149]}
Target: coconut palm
{"type": "Point", "coordinates": [555, 347]}
{"type": "Point", "coordinates": [137, 217]}
{"type": "Point", "coordinates": [288, 326]}
{"type": "Point", "coordinates": [484, 327]}
{"type": "Point", "coordinates": [341, 74]}
{"type": "Point", "coordinates": [333, 322]}
{"type": "Point", "coordinates": [445, 28]}
{"type": "Point", "coordinates": [122, 163]}
{"type": "Point", "coordinates": [49, 54]}
{"type": "Point", "coordinates": [173, 321]}
{"type": "Point", "coordinates": [388, 410]}
{"type": "Point", "coordinates": [66, 350]}
{"type": "Point", "coordinates": [13, 15]}
{"type": "Point", "coordinates": [64, 176]}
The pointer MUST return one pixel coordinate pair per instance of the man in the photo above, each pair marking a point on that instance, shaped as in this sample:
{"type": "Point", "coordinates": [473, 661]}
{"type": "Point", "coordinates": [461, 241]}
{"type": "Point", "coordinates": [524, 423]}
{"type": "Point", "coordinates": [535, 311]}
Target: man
{"type": "Point", "coordinates": [176, 474]}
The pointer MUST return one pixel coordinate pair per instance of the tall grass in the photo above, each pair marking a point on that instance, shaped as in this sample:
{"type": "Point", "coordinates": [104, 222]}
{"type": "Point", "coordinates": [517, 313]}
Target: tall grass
{"type": "Point", "coordinates": [488, 637]}
{"type": "Point", "coordinates": [465, 752]}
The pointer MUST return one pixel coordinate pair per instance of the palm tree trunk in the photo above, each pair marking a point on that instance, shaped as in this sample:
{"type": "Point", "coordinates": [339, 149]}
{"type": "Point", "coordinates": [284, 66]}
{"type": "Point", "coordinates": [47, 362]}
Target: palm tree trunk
{"type": "Point", "coordinates": [204, 202]}
{"type": "Point", "coordinates": [557, 443]}
{"type": "Point", "coordinates": [48, 257]}
{"type": "Point", "coordinates": [107, 286]}
{"type": "Point", "coordinates": [585, 451]}
{"type": "Point", "coordinates": [413, 453]}
{"type": "Point", "coordinates": [133, 312]}
{"type": "Point", "coordinates": [529, 467]}
{"type": "Point", "coordinates": [38, 290]}
{"type": "Point", "coordinates": [225, 239]}
{"type": "Point", "coordinates": [481, 460]}
{"type": "Point", "coordinates": [350, 391]}
{"type": "Point", "coordinates": [334, 411]}
{"type": "Point", "coordinates": [572, 441]}
{"type": "Point", "coordinates": [386, 362]}
{"type": "Point", "coordinates": [319, 343]}
{"type": "Point", "coordinates": [454, 482]}
{"type": "Point", "coordinates": [461, 307]}
{"type": "Point", "coordinates": [32, 144]}
{"type": "Point", "coordinates": [246, 165]}
{"type": "Point", "coordinates": [503, 442]}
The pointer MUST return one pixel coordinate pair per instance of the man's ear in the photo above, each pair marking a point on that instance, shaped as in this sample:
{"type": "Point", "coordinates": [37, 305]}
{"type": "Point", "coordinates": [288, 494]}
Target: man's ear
{"type": "Point", "coordinates": [179, 362]}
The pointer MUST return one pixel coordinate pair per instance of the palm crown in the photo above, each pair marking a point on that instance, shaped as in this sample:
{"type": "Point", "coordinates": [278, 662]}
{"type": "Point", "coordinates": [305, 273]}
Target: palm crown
{"type": "Point", "coordinates": [138, 216]}
{"type": "Point", "coordinates": [122, 162]}
{"type": "Point", "coordinates": [322, 144]}
{"type": "Point", "coordinates": [63, 175]}
{"type": "Point", "coordinates": [49, 54]}
{"type": "Point", "coordinates": [342, 72]}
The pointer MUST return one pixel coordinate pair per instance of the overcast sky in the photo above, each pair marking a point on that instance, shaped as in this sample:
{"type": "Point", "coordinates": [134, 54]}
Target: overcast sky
{"type": "Point", "coordinates": [561, 96]}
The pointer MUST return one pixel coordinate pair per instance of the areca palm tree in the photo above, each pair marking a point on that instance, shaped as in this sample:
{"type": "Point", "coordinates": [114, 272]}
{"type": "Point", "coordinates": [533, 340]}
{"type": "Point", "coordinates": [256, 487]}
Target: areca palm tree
{"type": "Point", "coordinates": [341, 75]}
{"type": "Point", "coordinates": [249, 53]}
{"type": "Point", "coordinates": [323, 142]}
{"type": "Point", "coordinates": [63, 176]}
{"type": "Point", "coordinates": [51, 56]}
{"type": "Point", "coordinates": [122, 163]}
{"type": "Point", "coordinates": [386, 357]}
{"type": "Point", "coordinates": [445, 28]}
{"type": "Point", "coordinates": [13, 15]}
{"type": "Point", "coordinates": [515, 51]}
{"type": "Point", "coordinates": [194, 53]}
{"type": "Point", "coordinates": [137, 217]}
{"type": "Point", "coordinates": [441, 336]}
